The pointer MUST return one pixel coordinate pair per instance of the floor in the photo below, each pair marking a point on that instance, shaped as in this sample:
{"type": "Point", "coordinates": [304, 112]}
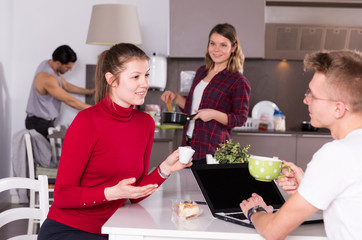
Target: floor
{"type": "Point", "coordinates": [14, 228]}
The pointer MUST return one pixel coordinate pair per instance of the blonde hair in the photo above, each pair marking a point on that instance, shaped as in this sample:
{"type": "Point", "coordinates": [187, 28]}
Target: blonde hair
{"type": "Point", "coordinates": [343, 70]}
{"type": "Point", "coordinates": [236, 60]}
{"type": "Point", "coordinates": [113, 61]}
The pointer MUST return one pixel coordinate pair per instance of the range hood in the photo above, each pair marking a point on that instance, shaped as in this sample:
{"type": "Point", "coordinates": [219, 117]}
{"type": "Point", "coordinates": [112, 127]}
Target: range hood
{"type": "Point", "coordinates": [293, 41]}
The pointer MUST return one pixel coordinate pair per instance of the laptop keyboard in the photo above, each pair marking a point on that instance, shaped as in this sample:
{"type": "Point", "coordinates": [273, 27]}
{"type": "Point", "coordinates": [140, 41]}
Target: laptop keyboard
{"type": "Point", "coordinates": [240, 216]}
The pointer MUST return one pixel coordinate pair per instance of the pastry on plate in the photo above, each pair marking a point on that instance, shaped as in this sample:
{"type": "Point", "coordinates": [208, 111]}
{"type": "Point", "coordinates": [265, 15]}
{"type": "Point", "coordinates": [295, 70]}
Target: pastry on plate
{"type": "Point", "coordinates": [187, 209]}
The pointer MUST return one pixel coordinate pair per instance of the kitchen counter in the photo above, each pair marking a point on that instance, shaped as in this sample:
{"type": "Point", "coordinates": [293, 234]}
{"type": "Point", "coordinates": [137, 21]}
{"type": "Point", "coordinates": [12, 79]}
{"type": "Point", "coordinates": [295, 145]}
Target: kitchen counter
{"type": "Point", "coordinates": [164, 135]}
{"type": "Point", "coordinates": [166, 132]}
{"type": "Point", "coordinates": [289, 131]}
{"type": "Point", "coordinates": [153, 218]}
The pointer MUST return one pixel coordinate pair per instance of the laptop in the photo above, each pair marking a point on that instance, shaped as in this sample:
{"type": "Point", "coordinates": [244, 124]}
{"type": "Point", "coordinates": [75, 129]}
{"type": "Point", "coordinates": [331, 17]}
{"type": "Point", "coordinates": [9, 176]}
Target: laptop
{"type": "Point", "coordinates": [224, 186]}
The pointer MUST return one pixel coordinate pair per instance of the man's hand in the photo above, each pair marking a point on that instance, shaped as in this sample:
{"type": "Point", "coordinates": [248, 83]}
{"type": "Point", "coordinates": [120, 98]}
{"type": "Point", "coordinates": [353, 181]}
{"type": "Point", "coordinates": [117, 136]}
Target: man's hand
{"type": "Point", "coordinates": [292, 179]}
{"type": "Point", "coordinates": [253, 201]}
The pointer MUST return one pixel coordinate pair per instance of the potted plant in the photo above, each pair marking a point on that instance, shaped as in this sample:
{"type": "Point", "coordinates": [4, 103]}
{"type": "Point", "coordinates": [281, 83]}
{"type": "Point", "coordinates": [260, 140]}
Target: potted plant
{"type": "Point", "coordinates": [230, 152]}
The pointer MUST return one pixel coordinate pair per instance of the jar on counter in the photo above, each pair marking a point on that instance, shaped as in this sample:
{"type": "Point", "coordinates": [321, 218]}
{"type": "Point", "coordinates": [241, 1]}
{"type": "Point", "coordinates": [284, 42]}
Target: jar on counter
{"type": "Point", "coordinates": [279, 121]}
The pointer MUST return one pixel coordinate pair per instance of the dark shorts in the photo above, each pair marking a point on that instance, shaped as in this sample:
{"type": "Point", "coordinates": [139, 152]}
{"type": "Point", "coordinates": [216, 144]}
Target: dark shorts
{"type": "Point", "coordinates": [53, 230]}
{"type": "Point", "coordinates": [39, 124]}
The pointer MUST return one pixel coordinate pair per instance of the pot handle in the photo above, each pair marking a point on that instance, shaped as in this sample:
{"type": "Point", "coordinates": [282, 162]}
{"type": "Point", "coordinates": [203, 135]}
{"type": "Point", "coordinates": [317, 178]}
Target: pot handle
{"type": "Point", "coordinates": [191, 116]}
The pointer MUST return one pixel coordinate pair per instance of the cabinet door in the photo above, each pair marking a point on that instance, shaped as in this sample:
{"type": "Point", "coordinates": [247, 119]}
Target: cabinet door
{"type": "Point", "coordinates": [192, 20]}
{"type": "Point", "coordinates": [177, 140]}
{"type": "Point", "coordinates": [268, 145]}
{"type": "Point", "coordinates": [307, 145]}
{"type": "Point", "coordinates": [160, 151]}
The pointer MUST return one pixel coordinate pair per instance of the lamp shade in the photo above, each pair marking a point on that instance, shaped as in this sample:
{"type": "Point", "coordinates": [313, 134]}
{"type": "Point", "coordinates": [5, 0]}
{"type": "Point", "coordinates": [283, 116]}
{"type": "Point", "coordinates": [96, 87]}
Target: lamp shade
{"type": "Point", "coordinates": [114, 23]}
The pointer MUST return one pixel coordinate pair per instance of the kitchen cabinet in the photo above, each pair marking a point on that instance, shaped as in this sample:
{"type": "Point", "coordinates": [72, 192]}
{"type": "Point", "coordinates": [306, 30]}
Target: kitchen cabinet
{"type": "Point", "coordinates": [160, 151]}
{"type": "Point", "coordinates": [178, 138]}
{"type": "Point", "coordinates": [307, 145]}
{"type": "Point", "coordinates": [154, 23]}
{"type": "Point", "coordinates": [297, 147]}
{"type": "Point", "coordinates": [281, 145]}
{"type": "Point", "coordinates": [163, 145]}
{"type": "Point", "coordinates": [192, 20]}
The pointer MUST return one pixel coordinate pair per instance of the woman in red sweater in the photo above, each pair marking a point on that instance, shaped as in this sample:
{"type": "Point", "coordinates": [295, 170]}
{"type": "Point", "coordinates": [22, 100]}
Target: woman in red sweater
{"type": "Point", "coordinates": [106, 151]}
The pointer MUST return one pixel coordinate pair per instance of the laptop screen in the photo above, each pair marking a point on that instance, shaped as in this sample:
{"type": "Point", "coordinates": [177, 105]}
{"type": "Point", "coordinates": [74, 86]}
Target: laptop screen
{"type": "Point", "coordinates": [224, 186]}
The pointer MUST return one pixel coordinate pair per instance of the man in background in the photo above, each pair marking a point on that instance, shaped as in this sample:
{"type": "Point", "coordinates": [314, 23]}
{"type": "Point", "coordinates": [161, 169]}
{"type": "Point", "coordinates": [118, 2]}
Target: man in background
{"type": "Point", "coordinates": [50, 89]}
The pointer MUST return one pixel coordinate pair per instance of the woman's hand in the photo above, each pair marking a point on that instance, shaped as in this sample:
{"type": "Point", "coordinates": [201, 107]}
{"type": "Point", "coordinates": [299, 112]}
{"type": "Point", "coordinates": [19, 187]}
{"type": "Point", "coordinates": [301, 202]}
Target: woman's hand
{"type": "Point", "coordinates": [125, 190]}
{"type": "Point", "coordinates": [253, 201]}
{"type": "Point", "coordinates": [208, 114]}
{"type": "Point", "coordinates": [172, 163]}
{"type": "Point", "coordinates": [174, 98]}
{"type": "Point", "coordinates": [168, 96]}
{"type": "Point", "coordinates": [292, 179]}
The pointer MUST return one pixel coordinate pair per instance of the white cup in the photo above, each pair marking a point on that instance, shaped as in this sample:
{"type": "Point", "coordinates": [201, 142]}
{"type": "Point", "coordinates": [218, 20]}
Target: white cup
{"type": "Point", "coordinates": [185, 154]}
{"type": "Point", "coordinates": [210, 159]}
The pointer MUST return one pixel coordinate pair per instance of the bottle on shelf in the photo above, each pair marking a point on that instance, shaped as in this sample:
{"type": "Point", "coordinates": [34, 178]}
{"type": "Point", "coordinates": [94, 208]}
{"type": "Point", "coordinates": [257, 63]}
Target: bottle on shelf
{"type": "Point", "coordinates": [279, 121]}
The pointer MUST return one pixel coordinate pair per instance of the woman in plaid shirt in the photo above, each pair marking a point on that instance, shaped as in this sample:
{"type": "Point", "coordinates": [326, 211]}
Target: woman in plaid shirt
{"type": "Point", "coordinates": [219, 94]}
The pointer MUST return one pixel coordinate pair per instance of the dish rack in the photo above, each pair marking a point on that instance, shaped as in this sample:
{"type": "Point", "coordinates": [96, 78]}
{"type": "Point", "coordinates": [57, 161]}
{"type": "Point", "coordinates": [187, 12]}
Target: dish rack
{"type": "Point", "coordinates": [250, 124]}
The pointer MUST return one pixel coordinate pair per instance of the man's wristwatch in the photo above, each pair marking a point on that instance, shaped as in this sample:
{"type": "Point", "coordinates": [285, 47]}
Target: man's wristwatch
{"type": "Point", "coordinates": [253, 210]}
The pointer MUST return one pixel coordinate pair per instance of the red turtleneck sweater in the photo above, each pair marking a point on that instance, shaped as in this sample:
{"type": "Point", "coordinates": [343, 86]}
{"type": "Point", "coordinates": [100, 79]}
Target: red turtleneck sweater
{"type": "Point", "coordinates": [104, 144]}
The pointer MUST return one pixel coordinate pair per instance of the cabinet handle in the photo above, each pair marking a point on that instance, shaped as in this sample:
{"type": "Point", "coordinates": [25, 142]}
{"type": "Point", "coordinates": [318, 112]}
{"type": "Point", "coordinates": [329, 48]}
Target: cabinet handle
{"type": "Point", "coordinates": [264, 134]}
{"type": "Point", "coordinates": [316, 136]}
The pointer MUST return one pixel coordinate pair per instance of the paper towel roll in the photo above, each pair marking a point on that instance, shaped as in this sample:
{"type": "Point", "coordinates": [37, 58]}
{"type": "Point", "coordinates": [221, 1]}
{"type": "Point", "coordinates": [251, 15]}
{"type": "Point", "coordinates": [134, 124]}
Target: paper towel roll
{"type": "Point", "coordinates": [158, 72]}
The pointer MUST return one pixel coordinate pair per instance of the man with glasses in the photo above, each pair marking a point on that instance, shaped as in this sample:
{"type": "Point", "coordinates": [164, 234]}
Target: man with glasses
{"type": "Point", "coordinates": [50, 89]}
{"type": "Point", "coordinates": [333, 179]}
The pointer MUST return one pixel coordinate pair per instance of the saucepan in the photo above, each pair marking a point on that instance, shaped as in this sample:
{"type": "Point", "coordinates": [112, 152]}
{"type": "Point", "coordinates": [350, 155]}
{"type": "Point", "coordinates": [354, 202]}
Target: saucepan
{"type": "Point", "coordinates": [176, 118]}
{"type": "Point", "coordinates": [307, 126]}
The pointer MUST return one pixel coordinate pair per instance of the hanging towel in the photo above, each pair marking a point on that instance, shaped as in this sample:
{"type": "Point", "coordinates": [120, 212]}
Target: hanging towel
{"type": "Point", "coordinates": [41, 151]}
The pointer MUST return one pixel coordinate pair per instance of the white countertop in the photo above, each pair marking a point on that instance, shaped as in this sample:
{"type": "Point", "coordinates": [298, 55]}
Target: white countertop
{"type": "Point", "coordinates": [153, 218]}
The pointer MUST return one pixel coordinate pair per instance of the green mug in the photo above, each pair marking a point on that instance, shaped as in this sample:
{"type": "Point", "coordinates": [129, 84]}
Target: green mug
{"type": "Point", "coordinates": [265, 169]}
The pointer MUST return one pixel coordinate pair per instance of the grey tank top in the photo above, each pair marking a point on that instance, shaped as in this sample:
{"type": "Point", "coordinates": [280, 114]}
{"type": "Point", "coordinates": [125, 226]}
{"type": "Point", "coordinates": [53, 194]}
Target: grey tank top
{"type": "Point", "coordinates": [43, 106]}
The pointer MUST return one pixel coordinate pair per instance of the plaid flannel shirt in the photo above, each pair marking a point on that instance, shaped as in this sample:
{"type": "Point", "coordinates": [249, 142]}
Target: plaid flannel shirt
{"type": "Point", "coordinates": [228, 93]}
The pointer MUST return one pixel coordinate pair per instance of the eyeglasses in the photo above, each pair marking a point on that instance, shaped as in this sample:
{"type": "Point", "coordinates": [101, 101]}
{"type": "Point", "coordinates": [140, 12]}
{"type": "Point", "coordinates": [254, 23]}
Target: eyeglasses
{"type": "Point", "coordinates": [309, 96]}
